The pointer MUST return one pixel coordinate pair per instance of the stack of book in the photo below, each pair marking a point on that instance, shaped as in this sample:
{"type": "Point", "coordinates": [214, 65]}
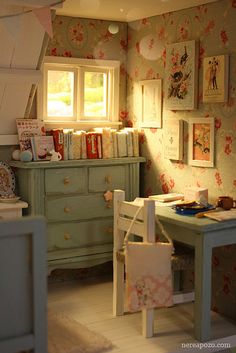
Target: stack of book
{"type": "Point", "coordinates": [99, 143]}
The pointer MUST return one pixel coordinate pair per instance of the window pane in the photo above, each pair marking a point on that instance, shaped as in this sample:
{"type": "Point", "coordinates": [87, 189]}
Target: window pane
{"type": "Point", "coordinates": [95, 94]}
{"type": "Point", "coordinates": [60, 93]}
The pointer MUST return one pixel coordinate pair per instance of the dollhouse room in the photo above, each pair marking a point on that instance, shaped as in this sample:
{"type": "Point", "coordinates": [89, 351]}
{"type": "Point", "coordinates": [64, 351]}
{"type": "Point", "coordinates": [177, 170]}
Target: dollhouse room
{"type": "Point", "coordinates": [117, 185]}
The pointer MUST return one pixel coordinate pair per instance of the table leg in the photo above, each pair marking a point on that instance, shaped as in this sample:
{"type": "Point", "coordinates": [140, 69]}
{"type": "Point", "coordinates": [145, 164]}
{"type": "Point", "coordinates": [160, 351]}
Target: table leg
{"type": "Point", "coordinates": [202, 305]}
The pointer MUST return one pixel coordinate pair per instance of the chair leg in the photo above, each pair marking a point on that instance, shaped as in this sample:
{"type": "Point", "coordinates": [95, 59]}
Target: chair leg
{"type": "Point", "coordinates": [148, 322]}
{"type": "Point", "coordinates": [118, 287]}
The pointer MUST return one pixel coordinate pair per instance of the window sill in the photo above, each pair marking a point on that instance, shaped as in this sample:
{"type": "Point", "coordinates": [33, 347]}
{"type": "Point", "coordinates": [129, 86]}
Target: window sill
{"type": "Point", "coordinates": [85, 125]}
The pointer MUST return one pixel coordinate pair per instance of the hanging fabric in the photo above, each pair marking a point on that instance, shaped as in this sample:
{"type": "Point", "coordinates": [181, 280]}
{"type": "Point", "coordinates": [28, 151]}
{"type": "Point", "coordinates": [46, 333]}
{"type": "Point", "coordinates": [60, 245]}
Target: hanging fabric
{"type": "Point", "coordinates": [148, 272]}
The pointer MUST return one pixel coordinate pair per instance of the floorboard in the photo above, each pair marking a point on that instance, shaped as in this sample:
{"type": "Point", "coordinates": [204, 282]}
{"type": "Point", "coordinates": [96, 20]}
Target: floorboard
{"type": "Point", "coordinates": [90, 303]}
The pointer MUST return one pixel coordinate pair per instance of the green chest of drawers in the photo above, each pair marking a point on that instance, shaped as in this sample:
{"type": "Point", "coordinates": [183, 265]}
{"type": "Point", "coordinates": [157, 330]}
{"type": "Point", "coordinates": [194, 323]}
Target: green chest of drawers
{"type": "Point", "coordinates": [70, 194]}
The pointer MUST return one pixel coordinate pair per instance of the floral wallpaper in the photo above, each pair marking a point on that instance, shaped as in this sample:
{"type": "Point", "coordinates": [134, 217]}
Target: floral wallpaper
{"type": "Point", "coordinates": [141, 48]}
{"type": "Point", "coordinates": [146, 59]}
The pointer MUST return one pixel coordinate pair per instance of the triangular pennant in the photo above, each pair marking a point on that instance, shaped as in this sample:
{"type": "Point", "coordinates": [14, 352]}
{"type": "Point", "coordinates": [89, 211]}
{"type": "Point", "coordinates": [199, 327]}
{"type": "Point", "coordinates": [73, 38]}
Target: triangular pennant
{"type": "Point", "coordinates": [44, 17]}
{"type": "Point", "coordinates": [12, 25]}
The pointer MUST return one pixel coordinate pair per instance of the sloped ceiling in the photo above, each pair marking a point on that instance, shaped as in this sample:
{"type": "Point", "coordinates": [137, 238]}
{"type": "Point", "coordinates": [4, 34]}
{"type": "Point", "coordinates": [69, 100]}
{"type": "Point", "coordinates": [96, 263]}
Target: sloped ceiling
{"type": "Point", "coordinates": [124, 10]}
{"type": "Point", "coordinates": [21, 50]}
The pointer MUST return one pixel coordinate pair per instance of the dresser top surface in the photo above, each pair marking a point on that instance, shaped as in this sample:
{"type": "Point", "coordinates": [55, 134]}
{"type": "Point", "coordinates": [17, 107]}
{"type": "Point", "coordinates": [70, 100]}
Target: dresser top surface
{"type": "Point", "coordinates": [76, 163]}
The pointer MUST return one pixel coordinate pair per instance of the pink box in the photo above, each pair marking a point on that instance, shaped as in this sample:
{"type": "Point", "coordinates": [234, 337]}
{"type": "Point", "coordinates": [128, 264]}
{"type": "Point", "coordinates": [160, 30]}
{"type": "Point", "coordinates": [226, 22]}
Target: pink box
{"type": "Point", "coordinates": [195, 193]}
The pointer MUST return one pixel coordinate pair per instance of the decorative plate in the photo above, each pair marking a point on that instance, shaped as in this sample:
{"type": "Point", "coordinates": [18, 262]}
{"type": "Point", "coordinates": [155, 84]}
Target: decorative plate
{"type": "Point", "coordinates": [7, 180]}
{"type": "Point", "coordinates": [12, 199]}
{"type": "Point", "coordinates": [192, 209]}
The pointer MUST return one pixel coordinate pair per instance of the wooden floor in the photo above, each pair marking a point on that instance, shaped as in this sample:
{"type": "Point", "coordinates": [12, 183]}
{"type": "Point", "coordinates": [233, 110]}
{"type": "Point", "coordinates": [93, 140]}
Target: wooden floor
{"type": "Point", "coordinates": [90, 303]}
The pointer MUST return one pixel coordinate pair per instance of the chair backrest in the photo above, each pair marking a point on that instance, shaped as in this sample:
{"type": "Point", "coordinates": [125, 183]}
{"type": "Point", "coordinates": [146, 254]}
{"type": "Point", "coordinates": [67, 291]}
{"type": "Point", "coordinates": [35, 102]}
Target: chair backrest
{"type": "Point", "coordinates": [124, 214]}
{"type": "Point", "coordinates": [23, 286]}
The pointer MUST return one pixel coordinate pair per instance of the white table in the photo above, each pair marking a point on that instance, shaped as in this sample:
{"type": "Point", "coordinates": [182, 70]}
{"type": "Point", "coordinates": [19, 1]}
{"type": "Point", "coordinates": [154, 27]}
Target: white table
{"type": "Point", "coordinates": [203, 234]}
{"type": "Point", "coordinates": [12, 210]}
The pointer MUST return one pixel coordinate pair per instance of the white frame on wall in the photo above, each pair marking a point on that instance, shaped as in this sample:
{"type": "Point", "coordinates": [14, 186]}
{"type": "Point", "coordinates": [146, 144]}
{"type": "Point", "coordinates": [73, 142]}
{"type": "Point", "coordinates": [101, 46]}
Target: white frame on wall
{"type": "Point", "coordinates": [173, 139]}
{"type": "Point", "coordinates": [181, 76]}
{"type": "Point", "coordinates": [151, 103]}
{"type": "Point", "coordinates": [205, 142]}
{"type": "Point", "coordinates": [215, 78]}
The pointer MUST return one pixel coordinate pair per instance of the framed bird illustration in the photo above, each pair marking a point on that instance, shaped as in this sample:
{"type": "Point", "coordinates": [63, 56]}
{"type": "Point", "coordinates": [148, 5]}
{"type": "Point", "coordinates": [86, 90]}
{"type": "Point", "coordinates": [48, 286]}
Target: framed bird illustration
{"type": "Point", "coordinates": [181, 76]}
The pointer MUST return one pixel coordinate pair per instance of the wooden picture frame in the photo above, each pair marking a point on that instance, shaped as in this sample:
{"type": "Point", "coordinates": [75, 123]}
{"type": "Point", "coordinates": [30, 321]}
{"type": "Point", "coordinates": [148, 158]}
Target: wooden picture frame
{"type": "Point", "coordinates": [151, 103]}
{"type": "Point", "coordinates": [201, 142]}
{"type": "Point", "coordinates": [216, 78]}
{"type": "Point", "coordinates": [181, 76]}
{"type": "Point", "coordinates": [173, 139]}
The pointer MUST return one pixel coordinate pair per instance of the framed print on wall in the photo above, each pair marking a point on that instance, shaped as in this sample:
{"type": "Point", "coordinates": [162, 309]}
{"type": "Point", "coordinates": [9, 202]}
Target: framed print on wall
{"type": "Point", "coordinates": [201, 142]}
{"type": "Point", "coordinates": [216, 78]}
{"type": "Point", "coordinates": [151, 103]}
{"type": "Point", "coordinates": [181, 76]}
{"type": "Point", "coordinates": [173, 139]}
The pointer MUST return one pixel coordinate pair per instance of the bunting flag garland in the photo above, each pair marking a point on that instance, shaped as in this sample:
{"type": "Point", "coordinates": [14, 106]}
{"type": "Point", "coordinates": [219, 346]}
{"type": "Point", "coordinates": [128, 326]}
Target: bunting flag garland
{"type": "Point", "coordinates": [12, 22]}
{"type": "Point", "coordinates": [43, 15]}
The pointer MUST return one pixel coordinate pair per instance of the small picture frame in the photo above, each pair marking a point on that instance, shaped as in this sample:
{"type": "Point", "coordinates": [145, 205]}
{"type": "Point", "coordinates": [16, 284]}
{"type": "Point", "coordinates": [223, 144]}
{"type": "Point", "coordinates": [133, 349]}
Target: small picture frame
{"type": "Point", "coordinates": [216, 78]}
{"type": "Point", "coordinates": [201, 142]}
{"type": "Point", "coordinates": [181, 76]}
{"type": "Point", "coordinates": [151, 103]}
{"type": "Point", "coordinates": [173, 139]}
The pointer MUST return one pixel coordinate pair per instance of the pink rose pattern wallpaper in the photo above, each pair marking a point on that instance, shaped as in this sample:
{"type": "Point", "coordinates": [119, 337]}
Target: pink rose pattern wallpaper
{"type": "Point", "coordinates": [140, 48]}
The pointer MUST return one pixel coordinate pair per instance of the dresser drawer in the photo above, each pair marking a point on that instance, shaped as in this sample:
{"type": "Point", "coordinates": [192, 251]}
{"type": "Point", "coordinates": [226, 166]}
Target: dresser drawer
{"type": "Point", "coordinates": [77, 235]}
{"type": "Point", "coordinates": [107, 178]}
{"type": "Point", "coordinates": [65, 180]}
{"type": "Point", "coordinates": [71, 208]}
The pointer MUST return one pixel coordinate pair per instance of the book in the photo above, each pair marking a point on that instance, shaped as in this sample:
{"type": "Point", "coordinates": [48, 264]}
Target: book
{"type": "Point", "coordinates": [173, 139]}
{"type": "Point", "coordinates": [83, 145]}
{"type": "Point", "coordinates": [92, 145]}
{"type": "Point", "coordinates": [107, 141]}
{"type": "Point", "coordinates": [135, 138]}
{"type": "Point", "coordinates": [122, 143]}
{"type": "Point", "coordinates": [58, 141]}
{"type": "Point", "coordinates": [70, 144]}
{"type": "Point", "coordinates": [28, 128]}
{"type": "Point", "coordinates": [115, 146]}
{"type": "Point", "coordinates": [67, 143]}
{"type": "Point", "coordinates": [221, 215]}
{"type": "Point", "coordinates": [42, 147]}
{"type": "Point", "coordinates": [167, 197]}
{"type": "Point", "coordinates": [99, 144]}
{"type": "Point", "coordinates": [76, 145]}
{"type": "Point", "coordinates": [130, 148]}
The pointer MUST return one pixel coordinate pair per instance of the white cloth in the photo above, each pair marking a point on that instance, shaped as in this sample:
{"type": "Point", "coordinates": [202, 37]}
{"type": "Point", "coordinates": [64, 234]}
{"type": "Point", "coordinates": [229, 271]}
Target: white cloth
{"type": "Point", "coordinates": [148, 275]}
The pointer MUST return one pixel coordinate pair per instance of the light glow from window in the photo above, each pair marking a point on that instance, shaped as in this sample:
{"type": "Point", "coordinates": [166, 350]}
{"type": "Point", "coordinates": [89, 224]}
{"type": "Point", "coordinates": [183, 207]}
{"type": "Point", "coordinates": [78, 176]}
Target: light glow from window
{"type": "Point", "coordinates": [60, 91]}
{"type": "Point", "coordinates": [95, 94]}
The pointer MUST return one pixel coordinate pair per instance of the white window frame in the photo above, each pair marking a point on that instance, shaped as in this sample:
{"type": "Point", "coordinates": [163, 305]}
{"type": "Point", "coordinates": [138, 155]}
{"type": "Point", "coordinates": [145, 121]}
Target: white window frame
{"type": "Point", "coordinates": [79, 66]}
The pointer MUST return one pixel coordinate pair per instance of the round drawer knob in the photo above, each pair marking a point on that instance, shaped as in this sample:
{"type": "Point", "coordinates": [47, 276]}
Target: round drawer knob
{"type": "Point", "coordinates": [67, 236]}
{"type": "Point", "coordinates": [66, 181]}
{"type": "Point", "coordinates": [67, 209]}
{"type": "Point", "coordinates": [109, 230]}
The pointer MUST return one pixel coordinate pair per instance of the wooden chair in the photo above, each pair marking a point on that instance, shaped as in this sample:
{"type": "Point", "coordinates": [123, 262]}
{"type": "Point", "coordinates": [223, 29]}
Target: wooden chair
{"type": "Point", "coordinates": [144, 228]}
{"type": "Point", "coordinates": [23, 285]}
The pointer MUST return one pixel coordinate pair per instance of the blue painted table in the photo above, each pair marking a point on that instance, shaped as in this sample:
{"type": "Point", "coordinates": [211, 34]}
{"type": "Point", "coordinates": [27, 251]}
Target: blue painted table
{"type": "Point", "coordinates": [203, 234]}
